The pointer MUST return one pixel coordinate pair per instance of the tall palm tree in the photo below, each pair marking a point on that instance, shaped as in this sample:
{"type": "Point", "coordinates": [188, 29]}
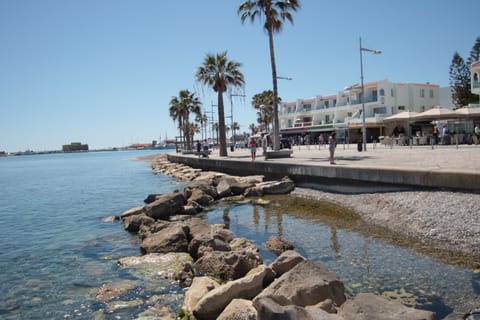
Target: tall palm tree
{"type": "Point", "coordinates": [180, 108]}
{"type": "Point", "coordinates": [220, 74]}
{"type": "Point", "coordinates": [274, 13]}
{"type": "Point", "coordinates": [264, 103]}
{"type": "Point", "coordinates": [235, 127]}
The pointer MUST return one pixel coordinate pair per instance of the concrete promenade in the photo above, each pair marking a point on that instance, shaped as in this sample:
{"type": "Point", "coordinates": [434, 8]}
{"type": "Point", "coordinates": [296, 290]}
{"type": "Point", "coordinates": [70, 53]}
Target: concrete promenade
{"type": "Point", "coordinates": [417, 166]}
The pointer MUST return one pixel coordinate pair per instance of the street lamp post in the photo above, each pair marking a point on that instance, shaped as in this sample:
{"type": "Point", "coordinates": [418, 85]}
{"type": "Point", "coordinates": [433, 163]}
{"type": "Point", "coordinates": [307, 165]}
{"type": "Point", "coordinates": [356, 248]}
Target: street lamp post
{"type": "Point", "coordinates": [364, 127]}
{"type": "Point", "coordinates": [276, 137]}
{"type": "Point", "coordinates": [231, 115]}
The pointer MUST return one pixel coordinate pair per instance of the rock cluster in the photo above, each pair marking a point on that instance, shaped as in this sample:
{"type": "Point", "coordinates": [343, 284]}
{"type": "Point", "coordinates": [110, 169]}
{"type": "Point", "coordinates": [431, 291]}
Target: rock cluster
{"type": "Point", "coordinates": [225, 275]}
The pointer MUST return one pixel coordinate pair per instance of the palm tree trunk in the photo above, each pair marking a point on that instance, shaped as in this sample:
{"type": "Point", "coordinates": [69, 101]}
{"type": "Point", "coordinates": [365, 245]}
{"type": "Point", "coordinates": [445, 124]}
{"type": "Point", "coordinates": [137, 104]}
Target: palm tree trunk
{"type": "Point", "coordinates": [221, 125]}
{"type": "Point", "coordinates": [276, 129]}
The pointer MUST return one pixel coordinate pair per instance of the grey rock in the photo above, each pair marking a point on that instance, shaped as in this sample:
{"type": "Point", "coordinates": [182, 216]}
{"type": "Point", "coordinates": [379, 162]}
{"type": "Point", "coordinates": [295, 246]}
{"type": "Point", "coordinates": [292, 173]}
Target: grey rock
{"type": "Point", "coordinates": [165, 206]}
{"type": "Point", "coordinates": [367, 306]}
{"type": "Point", "coordinates": [172, 238]}
{"type": "Point", "coordinates": [286, 261]}
{"type": "Point", "coordinates": [239, 309]}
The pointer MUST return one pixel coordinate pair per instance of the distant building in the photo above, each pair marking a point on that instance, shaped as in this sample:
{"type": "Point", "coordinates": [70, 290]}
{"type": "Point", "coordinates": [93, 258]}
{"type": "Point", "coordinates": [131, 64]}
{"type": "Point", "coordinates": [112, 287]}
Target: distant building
{"type": "Point", "coordinates": [342, 111]}
{"type": "Point", "coordinates": [74, 146]}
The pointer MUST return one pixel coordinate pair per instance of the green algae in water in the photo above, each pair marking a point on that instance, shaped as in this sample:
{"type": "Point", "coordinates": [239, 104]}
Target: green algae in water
{"type": "Point", "coordinates": [365, 257]}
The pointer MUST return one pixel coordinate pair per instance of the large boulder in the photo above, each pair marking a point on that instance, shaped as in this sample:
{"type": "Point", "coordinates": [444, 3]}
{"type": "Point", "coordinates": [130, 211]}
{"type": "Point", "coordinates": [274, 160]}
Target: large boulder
{"type": "Point", "coordinates": [239, 309]}
{"type": "Point", "coordinates": [199, 288]}
{"type": "Point", "coordinates": [213, 303]}
{"type": "Point", "coordinates": [367, 306]}
{"type": "Point", "coordinates": [201, 197]}
{"type": "Point", "coordinates": [227, 265]}
{"type": "Point", "coordinates": [223, 187]}
{"type": "Point", "coordinates": [286, 261]}
{"type": "Point", "coordinates": [283, 186]}
{"type": "Point", "coordinates": [133, 223]}
{"type": "Point", "coordinates": [268, 309]}
{"type": "Point", "coordinates": [278, 245]}
{"type": "Point", "coordinates": [166, 205]}
{"type": "Point", "coordinates": [306, 284]}
{"type": "Point", "coordinates": [172, 238]}
{"type": "Point", "coordinates": [207, 187]}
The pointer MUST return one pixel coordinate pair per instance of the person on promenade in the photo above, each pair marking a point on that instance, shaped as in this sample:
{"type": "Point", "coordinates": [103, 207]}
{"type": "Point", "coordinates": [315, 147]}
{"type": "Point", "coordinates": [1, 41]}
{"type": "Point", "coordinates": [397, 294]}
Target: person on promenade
{"type": "Point", "coordinates": [205, 149]}
{"type": "Point", "coordinates": [332, 142]}
{"type": "Point", "coordinates": [477, 130]}
{"type": "Point", "coordinates": [253, 148]}
{"type": "Point", "coordinates": [435, 135]}
{"type": "Point", "coordinates": [199, 148]}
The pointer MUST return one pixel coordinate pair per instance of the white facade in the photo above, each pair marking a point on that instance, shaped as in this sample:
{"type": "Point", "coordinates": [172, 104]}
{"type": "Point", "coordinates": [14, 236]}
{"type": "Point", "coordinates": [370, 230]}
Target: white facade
{"type": "Point", "coordinates": [344, 109]}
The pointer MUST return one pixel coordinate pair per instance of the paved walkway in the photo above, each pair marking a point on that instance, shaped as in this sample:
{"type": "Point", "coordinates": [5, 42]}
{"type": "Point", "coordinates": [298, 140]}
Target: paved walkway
{"type": "Point", "coordinates": [464, 158]}
{"type": "Point", "coordinates": [421, 166]}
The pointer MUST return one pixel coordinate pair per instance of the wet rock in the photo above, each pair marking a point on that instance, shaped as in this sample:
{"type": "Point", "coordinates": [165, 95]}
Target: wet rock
{"type": "Point", "coordinates": [306, 284]}
{"type": "Point", "coordinates": [367, 306]}
{"type": "Point", "coordinates": [133, 223]}
{"type": "Point", "coordinates": [113, 290]}
{"type": "Point", "coordinates": [111, 219]}
{"type": "Point", "coordinates": [165, 206]}
{"type": "Point", "coordinates": [172, 238]}
{"type": "Point", "coordinates": [156, 264]}
{"type": "Point", "coordinates": [157, 311]}
{"type": "Point", "coordinates": [118, 305]}
{"type": "Point", "coordinates": [239, 309]}
{"type": "Point", "coordinates": [278, 245]}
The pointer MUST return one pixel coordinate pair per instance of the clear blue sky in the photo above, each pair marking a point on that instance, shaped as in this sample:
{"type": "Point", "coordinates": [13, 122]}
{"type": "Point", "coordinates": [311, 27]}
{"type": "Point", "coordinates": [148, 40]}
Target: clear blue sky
{"type": "Point", "coordinates": [103, 72]}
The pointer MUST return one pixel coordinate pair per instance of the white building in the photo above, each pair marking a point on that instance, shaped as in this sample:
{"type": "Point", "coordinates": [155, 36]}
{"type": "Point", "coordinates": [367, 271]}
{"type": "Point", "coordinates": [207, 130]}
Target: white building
{"type": "Point", "coordinates": [343, 110]}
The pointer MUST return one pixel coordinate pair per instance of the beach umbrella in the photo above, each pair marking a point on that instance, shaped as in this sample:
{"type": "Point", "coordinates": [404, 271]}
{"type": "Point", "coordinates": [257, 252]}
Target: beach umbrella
{"type": "Point", "coordinates": [402, 116]}
{"type": "Point", "coordinates": [467, 112]}
{"type": "Point", "coordinates": [436, 113]}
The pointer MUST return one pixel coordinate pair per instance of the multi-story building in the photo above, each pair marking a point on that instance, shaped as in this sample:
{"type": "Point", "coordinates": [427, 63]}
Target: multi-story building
{"type": "Point", "coordinates": [343, 111]}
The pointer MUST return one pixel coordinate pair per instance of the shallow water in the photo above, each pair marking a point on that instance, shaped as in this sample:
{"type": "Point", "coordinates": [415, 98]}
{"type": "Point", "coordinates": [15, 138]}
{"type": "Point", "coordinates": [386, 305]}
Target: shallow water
{"type": "Point", "coordinates": [55, 252]}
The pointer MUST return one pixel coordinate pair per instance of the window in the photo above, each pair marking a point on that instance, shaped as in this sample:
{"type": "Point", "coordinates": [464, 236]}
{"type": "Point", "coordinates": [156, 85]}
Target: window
{"type": "Point", "coordinates": [422, 93]}
{"type": "Point", "coordinates": [431, 93]}
{"type": "Point", "coordinates": [327, 118]}
{"type": "Point", "coordinates": [326, 104]}
{"type": "Point", "coordinates": [401, 108]}
{"type": "Point", "coordinates": [382, 92]}
{"type": "Point", "coordinates": [307, 107]}
{"type": "Point", "coordinates": [391, 92]}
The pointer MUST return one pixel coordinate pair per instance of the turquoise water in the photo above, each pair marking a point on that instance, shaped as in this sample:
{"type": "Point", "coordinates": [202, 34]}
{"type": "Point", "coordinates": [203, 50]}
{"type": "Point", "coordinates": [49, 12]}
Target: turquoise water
{"type": "Point", "coordinates": [55, 252]}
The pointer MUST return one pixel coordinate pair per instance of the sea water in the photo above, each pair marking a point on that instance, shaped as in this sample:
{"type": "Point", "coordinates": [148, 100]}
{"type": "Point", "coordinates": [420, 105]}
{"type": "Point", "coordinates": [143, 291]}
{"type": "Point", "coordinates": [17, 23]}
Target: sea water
{"type": "Point", "coordinates": [55, 251]}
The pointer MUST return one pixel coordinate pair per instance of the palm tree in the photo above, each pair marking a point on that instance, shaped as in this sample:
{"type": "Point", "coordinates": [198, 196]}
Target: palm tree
{"type": "Point", "coordinates": [235, 127]}
{"type": "Point", "coordinates": [264, 103]}
{"type": "Point", "coordinates": [253, 128]}
{"type": "Point", "coordinates": [203, 119]}
{"type": "Point", "coordinates": [180, 108]}
{"type": "Point", "coordinates": [220, 74]}
{"type": "Point", "coordinates": [275, 13]}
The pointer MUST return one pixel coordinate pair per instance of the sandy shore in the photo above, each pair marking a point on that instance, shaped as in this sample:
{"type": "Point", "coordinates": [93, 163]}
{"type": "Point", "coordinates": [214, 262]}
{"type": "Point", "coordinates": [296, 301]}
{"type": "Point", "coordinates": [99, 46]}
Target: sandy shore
{"type": "Point", "coordinates": [441, 219]}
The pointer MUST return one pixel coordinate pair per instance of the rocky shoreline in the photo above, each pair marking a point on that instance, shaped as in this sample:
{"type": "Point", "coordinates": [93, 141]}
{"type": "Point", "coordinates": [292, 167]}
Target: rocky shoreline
{"type": "Point", "coordinates": [226, 277]}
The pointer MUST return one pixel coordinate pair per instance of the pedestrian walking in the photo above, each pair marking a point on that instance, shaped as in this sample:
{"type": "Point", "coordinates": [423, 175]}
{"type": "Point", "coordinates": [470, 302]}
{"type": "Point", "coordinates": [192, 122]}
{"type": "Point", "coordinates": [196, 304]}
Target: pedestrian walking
{"type": "Point", "coordinates": [332, 143]}
{"type": "Point", "coordinates": [253, 148]}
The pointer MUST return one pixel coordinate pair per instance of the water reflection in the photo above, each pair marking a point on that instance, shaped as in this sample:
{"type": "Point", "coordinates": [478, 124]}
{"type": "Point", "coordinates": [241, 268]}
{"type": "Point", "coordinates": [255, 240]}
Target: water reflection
{"type": "Point", "coordinates": [366, 258]}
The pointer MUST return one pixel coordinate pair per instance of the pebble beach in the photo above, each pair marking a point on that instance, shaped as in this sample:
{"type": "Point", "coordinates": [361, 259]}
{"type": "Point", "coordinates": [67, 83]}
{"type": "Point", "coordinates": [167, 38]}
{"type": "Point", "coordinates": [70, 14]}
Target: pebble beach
{"type": "Point", "coordinates": [445, 220]}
